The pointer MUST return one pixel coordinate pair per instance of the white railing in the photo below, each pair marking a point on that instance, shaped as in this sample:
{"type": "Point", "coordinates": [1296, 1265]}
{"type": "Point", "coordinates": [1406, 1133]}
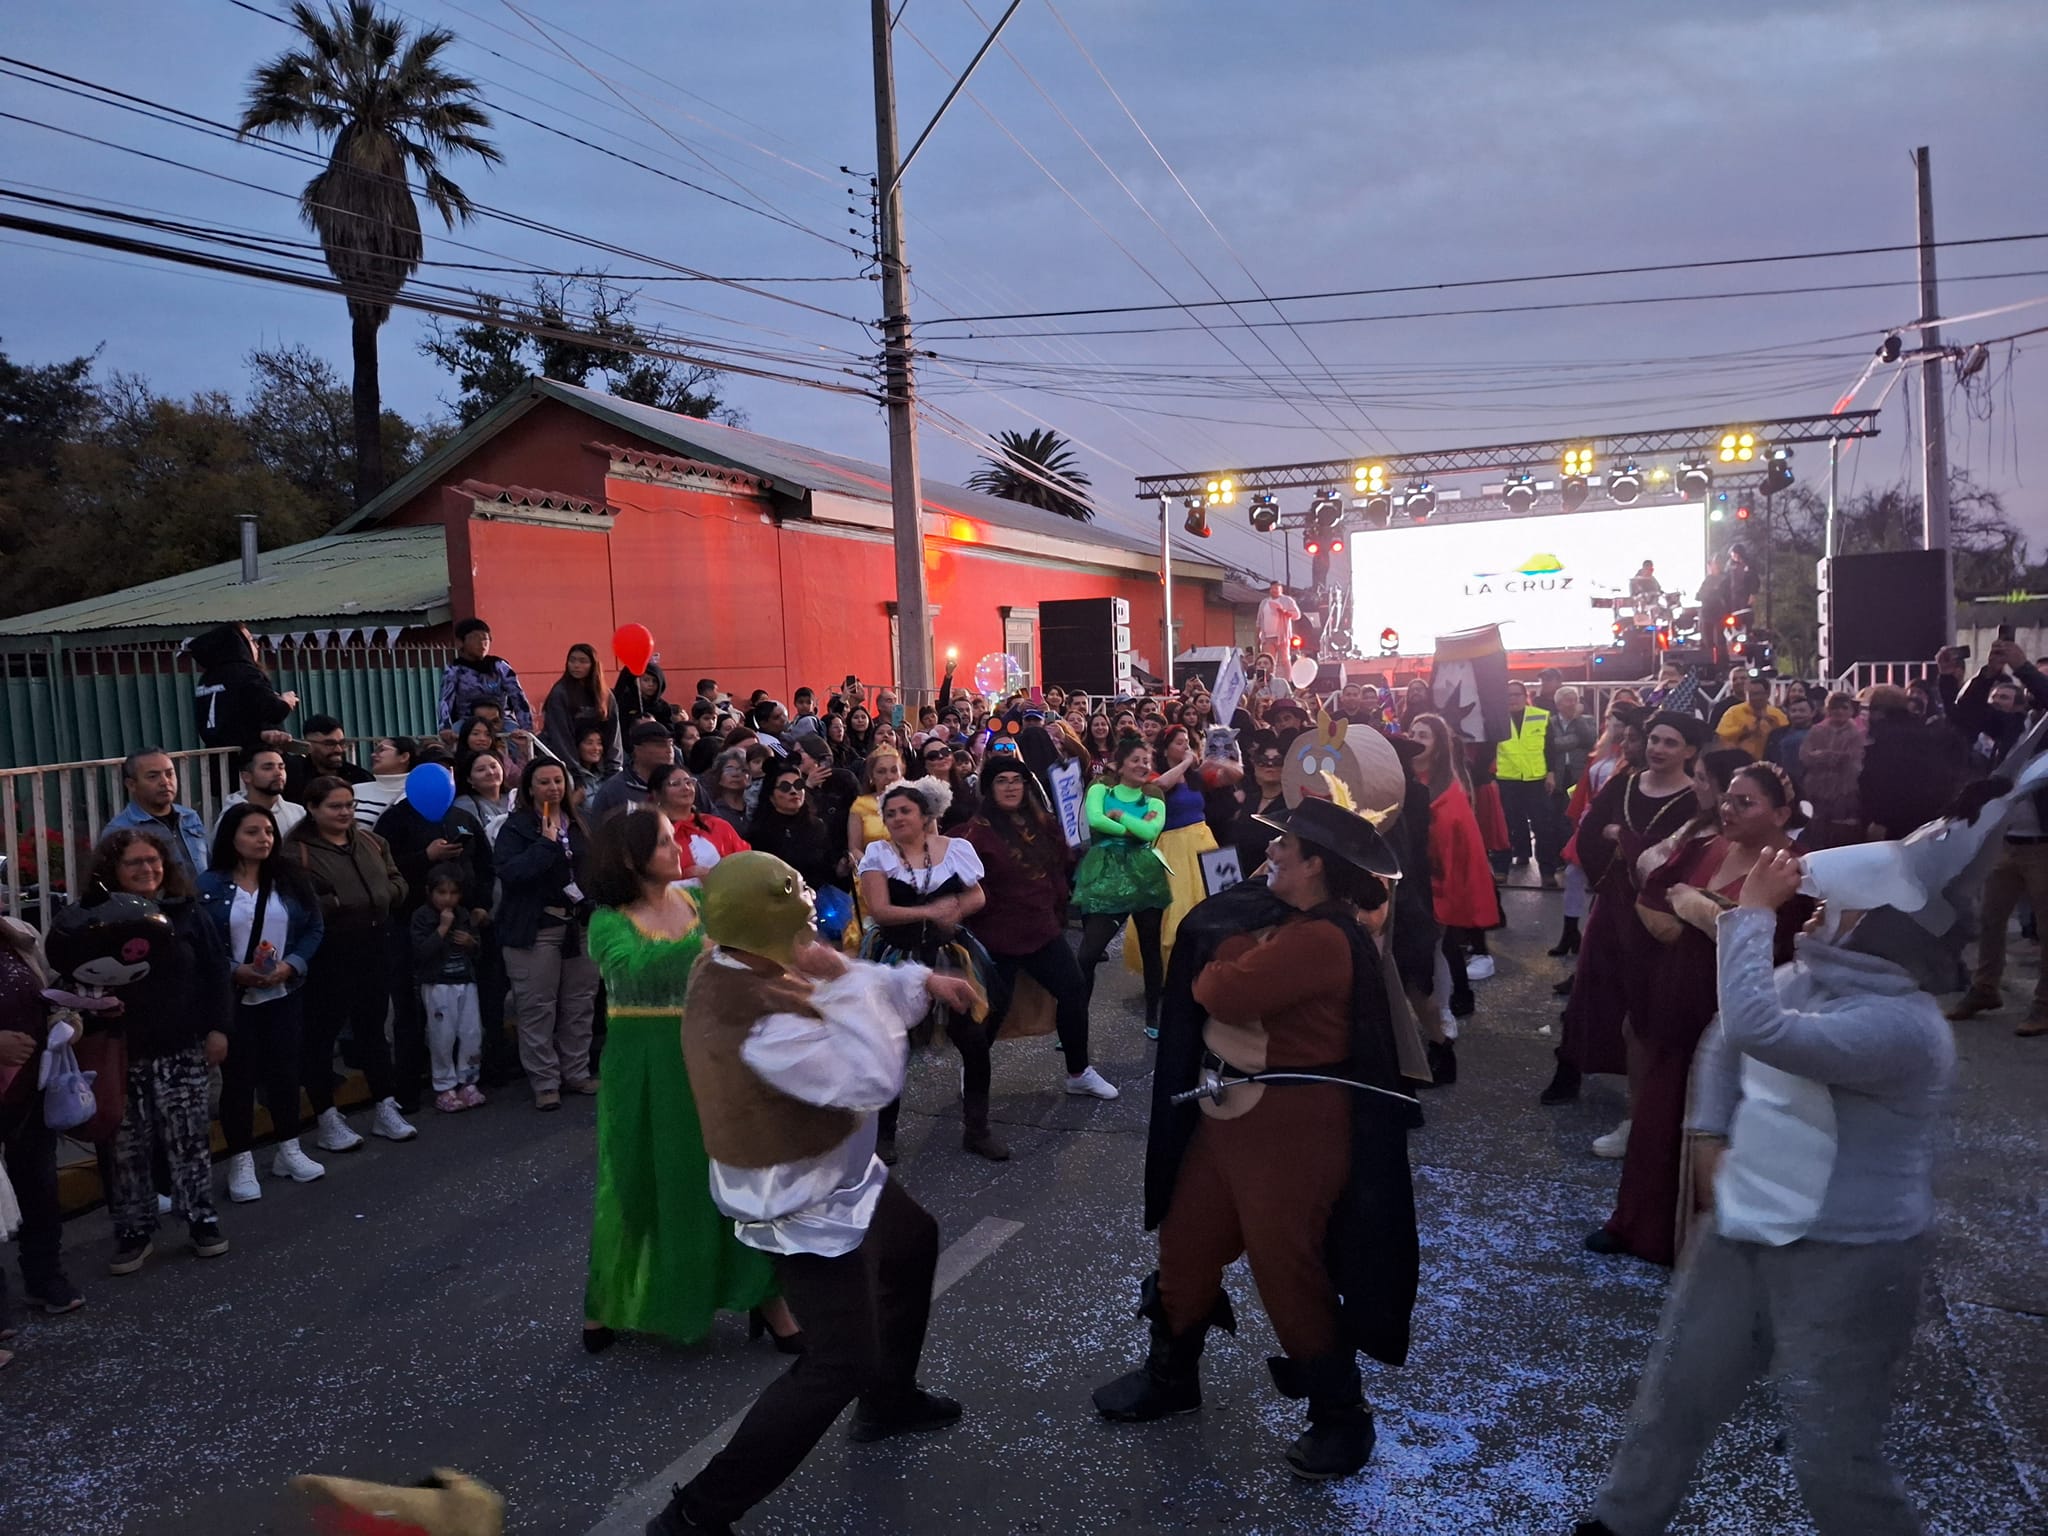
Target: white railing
{"type": "Point", "coordinates": [51, 816]}
{"type": "Point", "coordinates": [1872, 674]}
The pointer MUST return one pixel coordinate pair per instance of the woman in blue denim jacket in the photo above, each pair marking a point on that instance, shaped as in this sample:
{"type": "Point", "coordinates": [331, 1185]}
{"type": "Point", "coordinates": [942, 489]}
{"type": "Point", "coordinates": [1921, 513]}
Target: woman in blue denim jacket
{"type": "Point", "coordinates": [268, 915]}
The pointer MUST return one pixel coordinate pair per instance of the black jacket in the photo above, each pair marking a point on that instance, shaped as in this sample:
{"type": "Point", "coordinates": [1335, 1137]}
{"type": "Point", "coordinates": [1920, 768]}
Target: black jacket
{"type": "Point", "coordinates": [534, 876]}
{"type": "Point", "coordinates": [407, 833]}
{"type": "Point", "coordinates": [1416, 934]}
{"type": "Point", "coordinates": [188, 992]}
{"type": "Point", "coordinates": [1372, 1248]}
{"type": "Point", "coordinates": [233, 703]}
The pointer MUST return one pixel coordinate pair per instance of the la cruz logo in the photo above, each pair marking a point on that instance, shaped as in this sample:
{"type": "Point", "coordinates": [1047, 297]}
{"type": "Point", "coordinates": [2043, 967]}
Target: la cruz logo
{"type": "Point", "coordinates": [1539, 573]}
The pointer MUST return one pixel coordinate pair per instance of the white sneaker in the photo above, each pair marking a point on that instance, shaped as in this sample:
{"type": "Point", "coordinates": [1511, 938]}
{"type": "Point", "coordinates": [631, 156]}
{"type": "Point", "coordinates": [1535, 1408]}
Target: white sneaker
{"type": "Point", "coordinates": [1447, 1021]}
{"type": "Point", "coordinates": [1479, 968]}
{"type": "Point", "coordinates": [334, 1134]}
{"type": "Point", "coordinates": [163, 1205]}
{"type": "Point", "coordinates": [390, 1124]}
{"type": "Point", "coordinates": [1614, 1143]}
{"type": "Point", "coordinates": [242, 1185]}
{"type": "Point", "coordinates": [291, 1163]}
{"type": "Point", "coordinates": [1092, 1084]}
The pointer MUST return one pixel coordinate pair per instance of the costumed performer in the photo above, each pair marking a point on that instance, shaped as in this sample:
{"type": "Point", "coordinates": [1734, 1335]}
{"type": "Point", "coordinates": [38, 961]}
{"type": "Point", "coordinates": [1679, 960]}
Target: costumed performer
{"type": "Point", "coordinates": [791, 1048]}
{"type": "Point", "coordinates": [1121, 876]}
{"type": "Point", "coordinates": [1309, 1180]}
{"type": "Point", "coordinates": [1183, 838]}
{"type": "Point", "coordinates": [663, 1260]}
{"type": "Point", "coordinates": [1817, 1094]}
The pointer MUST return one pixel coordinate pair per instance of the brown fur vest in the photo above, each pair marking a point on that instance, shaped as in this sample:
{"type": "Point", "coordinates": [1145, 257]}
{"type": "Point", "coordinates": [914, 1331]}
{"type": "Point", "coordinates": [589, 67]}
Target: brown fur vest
{"type": "Point", "coordinates": [747, 1123]}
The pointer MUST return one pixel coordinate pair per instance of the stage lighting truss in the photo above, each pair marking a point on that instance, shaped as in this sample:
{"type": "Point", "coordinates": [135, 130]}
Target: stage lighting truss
{"type": "Point", "coordinates": [1625, 485]}
{"type": "Point", "coordinates": [1265, 512]}
{"type": "Point", "coordinates": [1737, 447]}
{"type": "Point", "coordinates": [1518, 494]}
{"type": "Point", "coordinates": [1695, 477]}
{"type": "Point", "coordinates": [1777, 471]}
{"type": "Point", "coordinates": [1222, 491]}
{"type": "Point", "coordinates": [1197, 522]}
{"type": "Point", "coordinates": [1420, 501]}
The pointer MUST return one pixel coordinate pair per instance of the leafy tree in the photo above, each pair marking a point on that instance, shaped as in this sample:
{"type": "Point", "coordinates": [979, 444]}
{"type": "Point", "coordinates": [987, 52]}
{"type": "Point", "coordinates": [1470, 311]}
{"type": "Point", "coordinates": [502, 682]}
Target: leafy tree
{"type": "Point", "coordinates": [300, 421]}
{"type": "Point", "coordinates": [39, 407]}
{"type": "Point", "coordinates": [1025, 462]}
{"type": "Point", "coordinates": [491, 360]}
{"type": "Point", "coordinates": [389, 111]}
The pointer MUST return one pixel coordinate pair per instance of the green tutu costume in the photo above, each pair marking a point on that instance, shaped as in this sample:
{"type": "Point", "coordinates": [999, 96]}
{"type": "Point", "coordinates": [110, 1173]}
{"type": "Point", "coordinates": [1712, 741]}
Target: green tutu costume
{"type": "Point", "coordinates": [1120, 873]}
{"type": "Point", "coordinates": [663, 1260]}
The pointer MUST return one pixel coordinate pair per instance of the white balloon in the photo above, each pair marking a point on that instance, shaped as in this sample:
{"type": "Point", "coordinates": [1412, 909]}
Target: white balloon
{"type": "Point", "coordinates": [1303, 672]}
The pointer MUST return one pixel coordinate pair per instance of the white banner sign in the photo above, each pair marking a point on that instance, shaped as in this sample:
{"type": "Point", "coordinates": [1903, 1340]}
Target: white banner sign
{"type": "Point", "coordinates": [1220, 869]}
{"type": "Point", "coordinates": [1067, 791]}
{"type": "Point", "coordinates": [1228, 693]}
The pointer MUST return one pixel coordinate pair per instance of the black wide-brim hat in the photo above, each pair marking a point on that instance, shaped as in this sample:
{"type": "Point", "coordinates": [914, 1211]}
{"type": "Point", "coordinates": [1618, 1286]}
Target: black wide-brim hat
{"type": "Point", "coordinates": [1340, 833]}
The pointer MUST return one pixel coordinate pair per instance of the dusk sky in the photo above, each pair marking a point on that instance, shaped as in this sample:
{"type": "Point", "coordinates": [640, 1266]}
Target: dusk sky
{"type": "Point", "coordinates": [1334, 146]}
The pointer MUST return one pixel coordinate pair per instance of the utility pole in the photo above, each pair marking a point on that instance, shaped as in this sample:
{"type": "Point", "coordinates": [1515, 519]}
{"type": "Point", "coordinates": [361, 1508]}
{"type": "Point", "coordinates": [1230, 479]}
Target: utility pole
{"type": "Point", "coordinates": [1933, 403]}
{"type": "Point", "coordinates": [913, 625]}
{"type": "Point", "coordinates": [1166, 579]}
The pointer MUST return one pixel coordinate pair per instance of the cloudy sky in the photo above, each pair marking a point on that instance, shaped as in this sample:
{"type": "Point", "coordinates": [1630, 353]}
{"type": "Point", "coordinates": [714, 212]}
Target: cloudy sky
{"type": "Point", "coordinates": [1294, 148]}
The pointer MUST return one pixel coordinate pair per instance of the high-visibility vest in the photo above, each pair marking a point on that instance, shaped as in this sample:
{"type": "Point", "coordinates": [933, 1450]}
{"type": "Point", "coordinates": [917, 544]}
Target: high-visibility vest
{"type": "Point", "coordinates": [1521, 757]}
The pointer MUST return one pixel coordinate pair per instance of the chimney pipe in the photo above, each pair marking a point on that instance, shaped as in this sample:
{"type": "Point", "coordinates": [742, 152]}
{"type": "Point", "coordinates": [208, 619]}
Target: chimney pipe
{"type": "Point", "coordinates": [248, 522]}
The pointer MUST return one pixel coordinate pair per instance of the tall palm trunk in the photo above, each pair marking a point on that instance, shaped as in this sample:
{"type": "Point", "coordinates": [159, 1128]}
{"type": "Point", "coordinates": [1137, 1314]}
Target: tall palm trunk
{"type": "Point", "coordinates": [369, 407]}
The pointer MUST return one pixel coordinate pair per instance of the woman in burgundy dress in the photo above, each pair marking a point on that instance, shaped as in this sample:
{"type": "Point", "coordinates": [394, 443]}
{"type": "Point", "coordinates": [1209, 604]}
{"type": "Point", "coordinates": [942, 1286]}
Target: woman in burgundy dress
{"type": "Point", "coordinates": [1632, 814]}
{"type": "Point", "coordinates": [1681, 898]}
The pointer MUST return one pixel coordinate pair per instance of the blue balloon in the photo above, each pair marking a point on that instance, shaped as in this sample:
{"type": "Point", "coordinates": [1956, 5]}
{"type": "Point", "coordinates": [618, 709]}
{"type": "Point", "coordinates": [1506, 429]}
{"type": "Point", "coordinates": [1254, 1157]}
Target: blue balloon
{"type": "Point", "coordinates": [835, 911]}
{"type": "Point", "coordinates": [430, 788]}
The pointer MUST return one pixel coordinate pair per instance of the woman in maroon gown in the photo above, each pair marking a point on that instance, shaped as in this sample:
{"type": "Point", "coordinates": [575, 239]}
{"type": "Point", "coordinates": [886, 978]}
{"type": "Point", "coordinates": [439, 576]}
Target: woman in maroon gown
{"type": "Point", "coordinates": [1632, 814]}
{"type": "Point", "coordinates": [1682, 896]}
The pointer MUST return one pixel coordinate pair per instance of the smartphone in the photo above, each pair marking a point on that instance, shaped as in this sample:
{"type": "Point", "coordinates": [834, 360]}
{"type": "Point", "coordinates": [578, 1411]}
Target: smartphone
{"type": "Point", "coordinates": [2005, 632]}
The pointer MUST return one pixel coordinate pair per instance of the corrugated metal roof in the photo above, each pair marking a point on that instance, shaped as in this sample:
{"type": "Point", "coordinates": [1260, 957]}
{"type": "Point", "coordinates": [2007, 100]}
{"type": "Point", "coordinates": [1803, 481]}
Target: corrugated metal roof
{"type": "Point", "coordinates": [340, 581]}
{"type": "Point", "coordinates": [791, 468]}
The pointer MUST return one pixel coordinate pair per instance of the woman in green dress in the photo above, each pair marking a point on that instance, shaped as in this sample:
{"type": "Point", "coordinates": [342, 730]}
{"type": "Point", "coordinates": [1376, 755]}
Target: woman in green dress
{"type": "Point", "coordinates": [663, 1261]}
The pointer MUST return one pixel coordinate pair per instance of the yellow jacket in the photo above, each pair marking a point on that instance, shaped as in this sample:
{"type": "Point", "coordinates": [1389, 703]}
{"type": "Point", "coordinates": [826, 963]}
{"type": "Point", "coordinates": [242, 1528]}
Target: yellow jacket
{"type": "Point", "coordinates": [1740, 727]}
{"type": "Point", "coordinates": [1520, 758]}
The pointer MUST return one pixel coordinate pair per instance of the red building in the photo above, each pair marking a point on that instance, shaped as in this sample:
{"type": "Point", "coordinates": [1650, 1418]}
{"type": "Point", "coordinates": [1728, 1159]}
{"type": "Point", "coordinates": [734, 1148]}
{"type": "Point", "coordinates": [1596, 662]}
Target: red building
{"type": "Point", "coordinates": [567, 512]}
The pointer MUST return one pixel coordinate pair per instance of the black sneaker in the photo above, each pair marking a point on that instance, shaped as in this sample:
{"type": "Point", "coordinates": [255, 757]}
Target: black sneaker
{"type": "Point", "coordinates": [919, 1412]}
{"type": "Point", "coordinates": [675, 1520]}
{"type": "Point", "coordinates": [129, 1255]}
{"type": "Point", "coordinates": [207, 1240]}
{"type": "Point", "coordinates": [56, 1296]}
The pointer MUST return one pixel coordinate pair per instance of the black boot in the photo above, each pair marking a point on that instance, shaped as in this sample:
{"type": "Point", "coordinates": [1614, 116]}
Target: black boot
{"type": "Point", "coordinates": [677, 1520]}
{"type": "Point", "coordinates": [974, 1131]}
{"type": "Point", "coordinates": [1563, 1087]}
{"type": "Point", "coordinates": [1443, 1063]}
{"type": "Point", "coordinates": [1339, 1437]}
{"type": "Point", "coordinates": [1568, 943]}
{"type": "Point", "coordinates": [1170, 1380]}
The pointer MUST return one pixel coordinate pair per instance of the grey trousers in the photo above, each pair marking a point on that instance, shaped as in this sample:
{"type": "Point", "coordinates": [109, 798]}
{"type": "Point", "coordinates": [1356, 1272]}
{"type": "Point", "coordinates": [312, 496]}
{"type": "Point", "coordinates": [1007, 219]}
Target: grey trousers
{"type": "Point", "coordinates": [556, 999]}
{"type": "Point", "coordinates": [1830, 1324]}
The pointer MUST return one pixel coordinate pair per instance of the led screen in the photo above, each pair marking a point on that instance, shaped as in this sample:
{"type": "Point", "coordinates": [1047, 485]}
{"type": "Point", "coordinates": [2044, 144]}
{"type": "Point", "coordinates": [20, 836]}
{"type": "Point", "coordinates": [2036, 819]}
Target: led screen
{"type": "Point", "coordinates": [1538, 577]}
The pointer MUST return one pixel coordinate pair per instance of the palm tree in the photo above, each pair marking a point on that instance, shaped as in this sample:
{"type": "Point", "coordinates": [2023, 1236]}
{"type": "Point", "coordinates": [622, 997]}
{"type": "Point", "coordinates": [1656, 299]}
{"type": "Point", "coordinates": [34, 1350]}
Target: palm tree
{"type": "Point", "coordinates": [1028, 460]}
{"type": "Point", "coordinates": [390, 112]}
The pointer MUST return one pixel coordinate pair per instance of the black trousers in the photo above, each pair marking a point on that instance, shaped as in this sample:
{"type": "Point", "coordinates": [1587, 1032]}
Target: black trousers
{"type": "Point", "coordinates": [1455, 940]}
{"type": "Point", "coordinates": [864, 1315]}
{"type": "Point", "coordinates": [1054, 968]}
{"type": "Point", "coordinates": [1098, 928]}
{"type": "Point", "coordinates": [410, 1067]}
{"type": "Point", "coordinates": [266, 1051]}
{"type": "Point", "coordinates": [346, 989]}
{"type": "Point", "coordinates": [1526, 805]}
{"type": "Point", "coordinates": [31, 1152]}
{"type": "Point", "coordinates": [972, 1041]}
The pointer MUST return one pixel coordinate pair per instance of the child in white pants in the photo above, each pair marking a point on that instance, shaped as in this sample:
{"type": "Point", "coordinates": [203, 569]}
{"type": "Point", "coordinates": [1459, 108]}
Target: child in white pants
{"type": "Point", "coordinates": [444, 948]}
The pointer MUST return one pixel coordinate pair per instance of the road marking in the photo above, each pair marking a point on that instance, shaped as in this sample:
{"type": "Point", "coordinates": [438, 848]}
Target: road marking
{"type": "Point", "coordinates": [629, 1516]}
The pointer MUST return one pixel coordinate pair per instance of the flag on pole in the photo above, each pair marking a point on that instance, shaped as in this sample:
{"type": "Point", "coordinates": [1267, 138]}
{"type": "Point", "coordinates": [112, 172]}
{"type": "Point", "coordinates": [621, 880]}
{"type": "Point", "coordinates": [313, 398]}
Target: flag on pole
{"type": "Point", "coordinates": [1470, 683]}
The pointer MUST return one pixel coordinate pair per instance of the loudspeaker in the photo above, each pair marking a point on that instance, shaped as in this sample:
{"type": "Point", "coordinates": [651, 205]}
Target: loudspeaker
{"type": "Point", "coordinates": [1885, 607]}
{"type": "Point", "coordinates": [1077, 643]}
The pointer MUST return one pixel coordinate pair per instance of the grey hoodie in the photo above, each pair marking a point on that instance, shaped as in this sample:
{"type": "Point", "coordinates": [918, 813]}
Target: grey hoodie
{"type": "Point", "coordinates": [1860, 1026]}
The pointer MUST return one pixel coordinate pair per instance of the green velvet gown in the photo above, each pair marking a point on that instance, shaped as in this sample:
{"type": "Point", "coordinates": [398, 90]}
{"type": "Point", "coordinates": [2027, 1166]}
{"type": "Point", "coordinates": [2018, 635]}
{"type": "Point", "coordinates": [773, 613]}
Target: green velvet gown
{"type": "Point", "coordinates": [663, 1260]}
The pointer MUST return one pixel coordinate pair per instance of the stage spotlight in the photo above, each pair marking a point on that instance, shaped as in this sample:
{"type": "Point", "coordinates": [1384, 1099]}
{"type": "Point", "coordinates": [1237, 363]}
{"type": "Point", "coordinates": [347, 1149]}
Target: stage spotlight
{"type": "Point", "coordinates": [1737, 447]}
{"type": "Point", "coordinates": [1265, 512]}
{"type": "Point", "coordinates": [1625, 485]}
{"type": "Point", "coordinates": [1390, 642]}
{"type": "Point", "coordinates": [1519, 492]}
{"type": "Point", "coordinates": [1222, 491]}
{"type": "Point", "coordinates": [1578, 465]}
{"type": "Point", "coordinates": [1325, 518]}
{"type": "Point", "coordinates": [1695, 478]}
{"type": "Point", "coordinates": [1420, 501]}
{"type": "Point", "coordinates": [1716, 515]}
{"type": "Point", "coordinates": [1378, 511]}
{"type": "Point", "coordinates": [1369, 480]}
{"type": "Point", "coordinates": [1742, 514]}
{"type": "Point", "coordinates": [1777, 471]}
{"type": "Point", "coordinates": [1578, 461]}
{"type": "Point", "coordinates": [1197, 521]}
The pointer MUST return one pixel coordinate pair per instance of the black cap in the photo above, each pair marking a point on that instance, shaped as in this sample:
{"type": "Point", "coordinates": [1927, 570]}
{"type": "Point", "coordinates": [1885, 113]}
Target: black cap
{"type": "Point", "coordinates": [648, 730]}
{"type": "Point", "coordinates": [1277, 705]}
{"type": "Point", "coordinates": [1342, 834]}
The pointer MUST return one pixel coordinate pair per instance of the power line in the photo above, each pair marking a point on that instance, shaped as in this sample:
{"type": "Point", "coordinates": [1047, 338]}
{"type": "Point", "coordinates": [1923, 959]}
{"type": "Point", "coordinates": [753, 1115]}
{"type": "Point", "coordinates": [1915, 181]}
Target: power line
{"type": "Point", "coordinates": [1495, 282]}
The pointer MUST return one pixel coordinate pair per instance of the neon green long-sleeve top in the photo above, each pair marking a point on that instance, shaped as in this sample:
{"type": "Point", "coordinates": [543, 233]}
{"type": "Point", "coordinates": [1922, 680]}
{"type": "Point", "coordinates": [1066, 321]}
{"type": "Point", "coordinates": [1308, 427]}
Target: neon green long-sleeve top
{"type": "Point", "coordinates": [1144, 816]}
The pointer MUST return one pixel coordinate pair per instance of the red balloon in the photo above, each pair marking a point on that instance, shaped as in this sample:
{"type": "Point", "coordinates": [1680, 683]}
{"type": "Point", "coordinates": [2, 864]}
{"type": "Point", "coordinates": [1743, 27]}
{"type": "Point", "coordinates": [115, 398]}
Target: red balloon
{"type": "Point", "coordinates": [633, 645]}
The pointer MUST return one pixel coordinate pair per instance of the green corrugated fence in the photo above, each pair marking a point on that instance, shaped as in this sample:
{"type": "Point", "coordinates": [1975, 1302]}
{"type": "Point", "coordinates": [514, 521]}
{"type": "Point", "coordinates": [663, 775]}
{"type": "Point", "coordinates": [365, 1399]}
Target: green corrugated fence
{"type": "Point", "coordinates": [107, 703]}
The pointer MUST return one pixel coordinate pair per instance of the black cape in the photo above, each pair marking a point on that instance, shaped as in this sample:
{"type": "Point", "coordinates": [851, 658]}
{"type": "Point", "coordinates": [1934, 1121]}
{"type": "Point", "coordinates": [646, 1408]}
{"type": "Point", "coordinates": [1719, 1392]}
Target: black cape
{"type": "Point", "coordinates": [1371, 1248]}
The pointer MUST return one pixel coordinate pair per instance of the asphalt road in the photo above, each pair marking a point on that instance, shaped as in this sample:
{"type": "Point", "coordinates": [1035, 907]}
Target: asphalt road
{"type": "Point", "coordinates": [419, 1307]}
